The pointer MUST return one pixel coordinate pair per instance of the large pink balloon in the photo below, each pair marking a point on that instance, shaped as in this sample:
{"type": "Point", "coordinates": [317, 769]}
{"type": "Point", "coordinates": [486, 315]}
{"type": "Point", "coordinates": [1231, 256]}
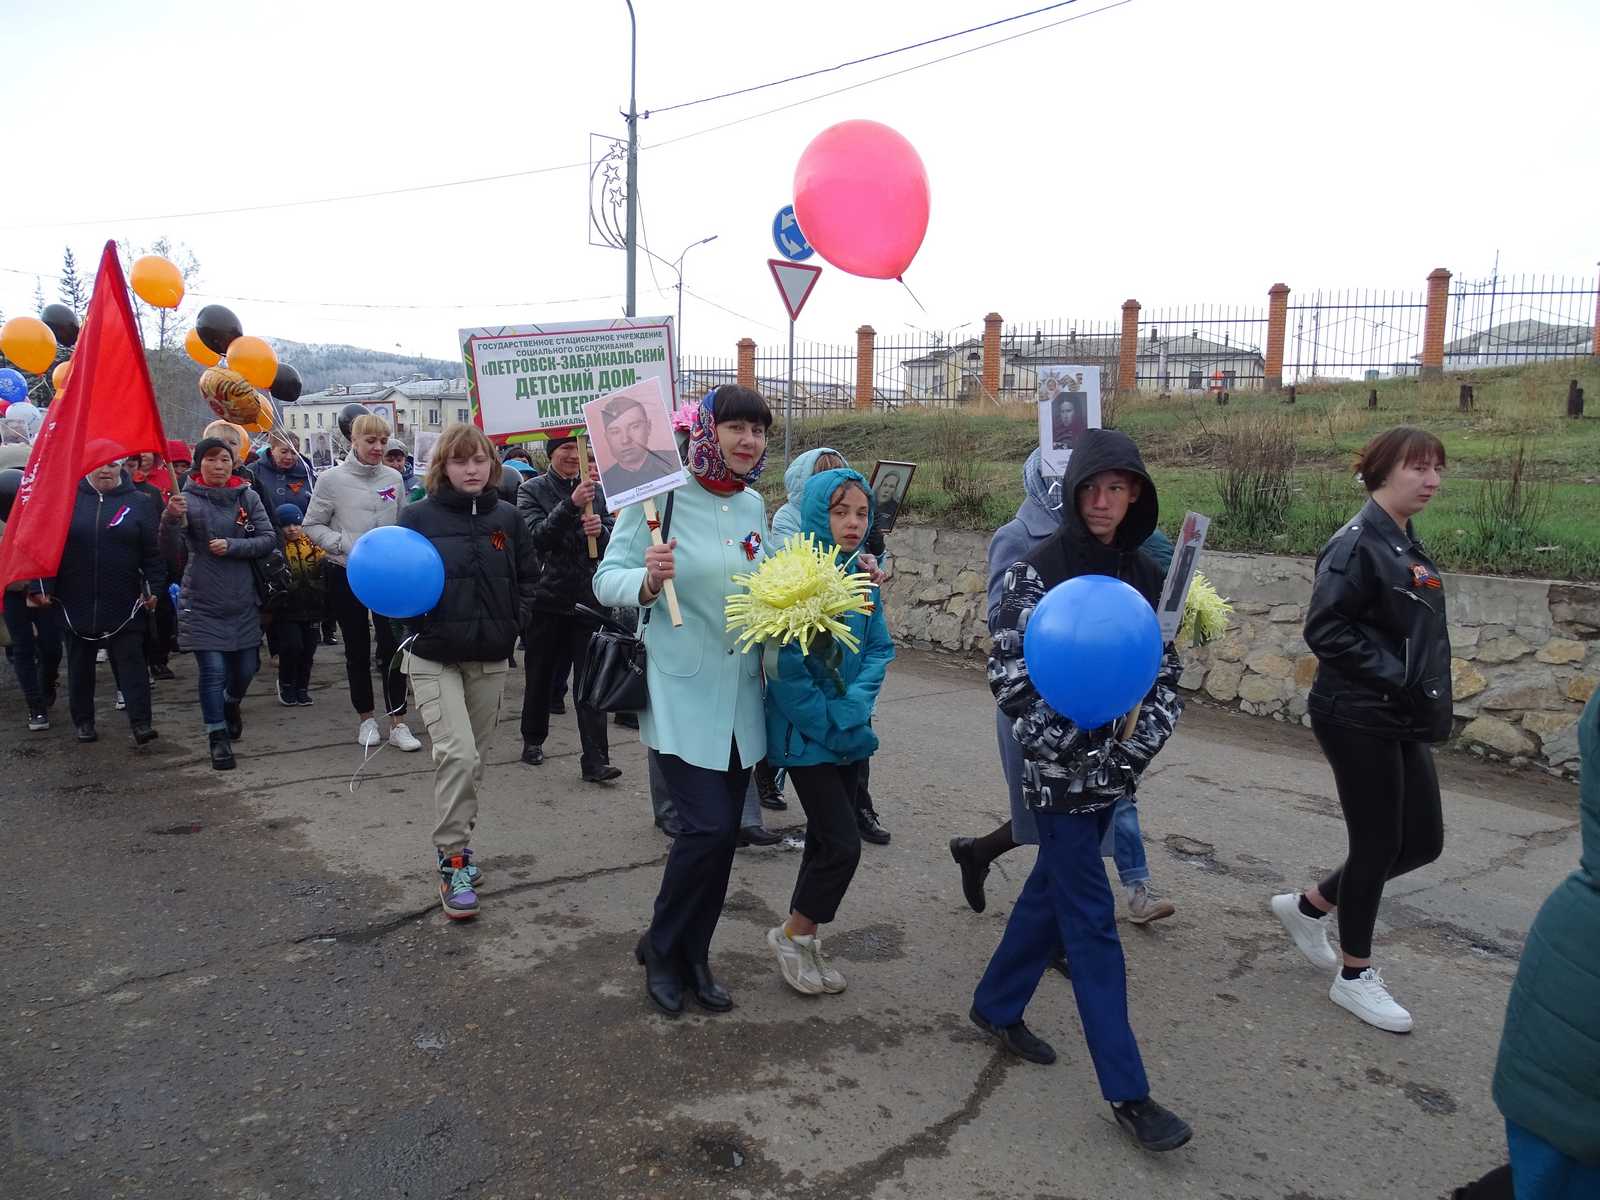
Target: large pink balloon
{"type": "Point", "coordinates": [861, 198]}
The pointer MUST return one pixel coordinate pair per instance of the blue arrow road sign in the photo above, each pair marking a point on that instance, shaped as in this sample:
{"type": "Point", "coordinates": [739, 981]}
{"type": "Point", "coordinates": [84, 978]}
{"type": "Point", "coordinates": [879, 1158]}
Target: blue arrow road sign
{"type": "Point", "coordinates": [786, 235]}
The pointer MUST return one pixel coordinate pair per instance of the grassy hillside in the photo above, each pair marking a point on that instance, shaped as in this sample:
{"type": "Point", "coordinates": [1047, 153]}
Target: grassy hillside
{"type": "Point", "coordinates": [970, 462]}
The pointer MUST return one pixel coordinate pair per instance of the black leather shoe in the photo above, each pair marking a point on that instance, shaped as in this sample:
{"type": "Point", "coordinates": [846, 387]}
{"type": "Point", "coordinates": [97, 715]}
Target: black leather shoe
{"type": "Point", "coordinates": [627, 720]}
{"type": "Point", "coordinates": [1152, 1126]}
{"type": "Point", "coordinates": [871, 830]}
{"type": "Point", "coordinates": [221, 751]}
{"type": "Point", "coordinates": [661, 982]}
{"type": "Point", "coordinates": [86, 732]}
{"type": "Point", "coordinates": [708, 993]}
{"type": "Point", "coordinates": [1017, 1039]}
{"type": "Point", "coordinates": [558, 708]}
{"type": "Point", "coordinates": [603, 774]}
{"type": "Point", "coordinates": [532, 755]}
{"type": "Point", "coordinates": [1060, 964]}
{"type": "Point", "coordinates": [143, 735]}
{"type": "Point", "coordinates": [235, 720]}
{"type": "Point", "coordinates": [671, 828]}
{"type": "Point", "coordinates": [972, 875]}
{"type": "Point", "coordinates": [758, 835]}
{"type": "Point", "coordinates": [161, 671]}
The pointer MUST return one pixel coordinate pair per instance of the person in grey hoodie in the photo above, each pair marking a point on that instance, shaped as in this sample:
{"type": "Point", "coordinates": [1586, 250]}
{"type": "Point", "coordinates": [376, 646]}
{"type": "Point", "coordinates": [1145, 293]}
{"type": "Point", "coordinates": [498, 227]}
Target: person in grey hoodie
{"type": "Point", "coordinates": [1037, 518]}
{"type": "Point", "coordinates": [357, 495]}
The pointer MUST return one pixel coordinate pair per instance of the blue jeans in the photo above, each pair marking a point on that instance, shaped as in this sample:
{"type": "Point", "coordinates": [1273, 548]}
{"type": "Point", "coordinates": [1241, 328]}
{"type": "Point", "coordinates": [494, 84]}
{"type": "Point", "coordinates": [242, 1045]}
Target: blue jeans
{"type": "Point", "coordinates": [35, 646]}
{"type": "Point", "coordinates": [225, 676]}
{"type": "Point", "coordinates": [1541, 1172]}
{"type": "Point", "coordinates": [1124, 844]}
{"type": "Point", "coordinates": [1067, 905]}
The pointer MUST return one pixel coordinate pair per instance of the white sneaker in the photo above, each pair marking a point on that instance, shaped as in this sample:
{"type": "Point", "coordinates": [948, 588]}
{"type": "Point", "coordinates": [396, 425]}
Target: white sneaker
{"type": "Point", "coordinates": [101, 656]}
{"type": "Point", "coordinates": [1309, 934]}
{"type": "Point", "coordinates": [401, 738]}
{"type": "Point", "coordinates": [832, 980]}
{"type": "Point", "coordinates": [795, 958]}
{"type": "Point", "coordinates": [368, 735]}
{"type": "Point", "coordinates": [121, 703]}
{"type": "Point", "coordinates": [1370, 1000]}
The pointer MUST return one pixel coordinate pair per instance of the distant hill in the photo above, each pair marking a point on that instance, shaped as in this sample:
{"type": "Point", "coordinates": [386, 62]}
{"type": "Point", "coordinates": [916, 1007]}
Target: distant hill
{"type": "Point", "coordinates": [322, 365]}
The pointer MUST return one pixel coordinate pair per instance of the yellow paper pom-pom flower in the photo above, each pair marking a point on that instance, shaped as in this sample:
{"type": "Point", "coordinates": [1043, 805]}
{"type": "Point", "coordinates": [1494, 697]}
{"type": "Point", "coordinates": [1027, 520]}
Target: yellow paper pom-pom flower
{"type": "Point", "coordinates": [798, 594]}
{"type": "Point", "coordinates": [1205, 614]}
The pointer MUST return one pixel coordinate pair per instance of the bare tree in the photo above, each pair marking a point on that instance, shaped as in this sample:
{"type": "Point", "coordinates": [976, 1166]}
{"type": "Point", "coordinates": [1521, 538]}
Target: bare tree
{"type": "Point", "coordinates": [74, 291]}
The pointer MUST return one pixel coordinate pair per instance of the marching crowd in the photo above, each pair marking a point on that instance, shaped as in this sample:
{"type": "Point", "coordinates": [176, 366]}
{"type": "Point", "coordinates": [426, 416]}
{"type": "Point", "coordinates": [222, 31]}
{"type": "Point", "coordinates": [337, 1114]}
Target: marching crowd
{"type": "Point", "coordinates": [258, 550]}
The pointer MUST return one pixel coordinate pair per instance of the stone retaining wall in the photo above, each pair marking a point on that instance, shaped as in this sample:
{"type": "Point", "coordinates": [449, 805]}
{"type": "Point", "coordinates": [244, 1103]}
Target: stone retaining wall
{"type": "Point", "coordinates": [1525, 652]}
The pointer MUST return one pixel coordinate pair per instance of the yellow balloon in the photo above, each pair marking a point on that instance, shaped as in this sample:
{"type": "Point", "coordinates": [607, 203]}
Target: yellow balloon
{"type": "Point", "coordinates": [199, 351]}
{"type": "Point", "coordinates": [254, 359]}
{"type": "Point", "coordinates": [29, 344]}
{"type": "Point", "coordinates": [157, 282]}
{"type": "Point", "coordinates": [59, 376]}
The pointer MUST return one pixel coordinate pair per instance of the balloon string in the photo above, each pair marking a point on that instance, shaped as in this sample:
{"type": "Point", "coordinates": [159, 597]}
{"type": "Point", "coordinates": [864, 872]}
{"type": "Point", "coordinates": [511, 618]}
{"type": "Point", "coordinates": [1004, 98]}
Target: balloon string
{"type": "Point", "coordinates": [900, 279]}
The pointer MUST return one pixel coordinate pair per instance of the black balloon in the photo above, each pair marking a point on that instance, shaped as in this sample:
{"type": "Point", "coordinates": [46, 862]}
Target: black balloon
{"type": "Point", "coordinates": [218, 328]}
{"type": "Point", "coordinates": [347, 416]}
{"type": "Point", "coordinates": [286, 384]}
{"type": "Point", "coordinates": [63, 323]}
{"type": "Point", "coordinates": [10, 484]}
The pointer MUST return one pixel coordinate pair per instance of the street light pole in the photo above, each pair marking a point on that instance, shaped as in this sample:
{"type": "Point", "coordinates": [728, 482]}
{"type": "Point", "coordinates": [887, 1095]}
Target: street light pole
{"type": "Point", "coordinates": [633, 164]}
{"type": "Point", "coordinates": [678, 269]}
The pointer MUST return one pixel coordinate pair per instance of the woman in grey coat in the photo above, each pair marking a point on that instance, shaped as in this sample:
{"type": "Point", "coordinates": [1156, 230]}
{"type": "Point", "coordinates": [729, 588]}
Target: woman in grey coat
{"type": "Point", "coordinates": [223, 524]}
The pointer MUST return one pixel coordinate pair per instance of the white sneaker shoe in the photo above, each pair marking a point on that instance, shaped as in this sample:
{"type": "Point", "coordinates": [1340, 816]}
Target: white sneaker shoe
{"type": "Point", "coordinates": [1309, 934]}
{"type": "Point", "coordinates": [795, 958]}
{"type": "Point", "coordinates": [368, 735]}
{"type": "Point", "coordinates": [121, 703]}
{"type": "Point", "coordinates": [832, 980]}
{"type": "Point", "coordinates": [401, 738]}
{"type": "Point", "coordinates": [1370, 1000]}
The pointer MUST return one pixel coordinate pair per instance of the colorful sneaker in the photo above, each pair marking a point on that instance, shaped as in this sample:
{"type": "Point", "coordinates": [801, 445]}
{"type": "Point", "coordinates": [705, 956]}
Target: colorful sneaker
{"type": "Point", "coordinates": [456, 893]}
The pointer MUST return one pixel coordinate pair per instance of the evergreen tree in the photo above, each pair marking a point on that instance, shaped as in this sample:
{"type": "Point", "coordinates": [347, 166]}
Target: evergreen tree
{"type": "Point", "coordinates": [74, 292]}
{"type": "Point", "coordinates": [38, 296]}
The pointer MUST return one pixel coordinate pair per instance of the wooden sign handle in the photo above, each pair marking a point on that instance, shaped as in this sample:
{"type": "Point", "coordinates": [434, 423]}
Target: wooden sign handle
{"type": "Point", "coordinates": [583, 477]}
{"type": "Point", "coordinates": [1130, 723]}
{"type": "Point", "coordinates": [668, 592]}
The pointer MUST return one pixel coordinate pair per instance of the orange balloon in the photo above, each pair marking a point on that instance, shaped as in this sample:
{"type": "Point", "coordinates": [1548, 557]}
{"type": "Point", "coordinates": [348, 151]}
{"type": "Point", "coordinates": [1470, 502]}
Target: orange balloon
{"type": "Point", "coordinates": [156, 281]}
{"type": "Point", "coordinates": [254, 359]}
{"type": "Point", "coordinates": [29, 344]}
{"type": "Point", "coordinates": [59, 375]}
{"type": "Point", "coordinates": [199, 351]}
{"type": "Point", "coordinates": [266, 417]}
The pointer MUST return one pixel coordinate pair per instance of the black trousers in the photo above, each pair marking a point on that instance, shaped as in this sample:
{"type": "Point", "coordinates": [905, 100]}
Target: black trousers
{"type": "Point", "coordinates": [125, 649]}
{"type": "Point", "coordinates": [833, 841]}
{"type": "Point", "coordinates": [554, 639]}
{"type": "Point", "coordinates": [161, 633]}
{"type": "Point", "coordinates": [695, 883]}
{"type": "Point", "coordinates": [1389, 792]}
{"type": "Point", "coordinates": [297, 647]}
{"type": "Point", "coordinates": [352, 616]}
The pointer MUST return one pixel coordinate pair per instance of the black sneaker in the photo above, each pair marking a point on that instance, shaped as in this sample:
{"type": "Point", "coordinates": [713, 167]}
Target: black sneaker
{"type": "Point", "coordinates": [161, 671]}
{"type": "Point", "coordinates": [972, 875]}
{"type": "Point", "coordinates": [86, 732]}
{"type": "Point", "coordinates": [286, 696]}
{"type": "Point", "coordinates": [1017, 1039]}
{"type": "Point", "coordinates": [302, 697]}
{"type": "Point", "coordinates": [1153, 1127]}
{"type": "Point", "coordinates": [871, 829]}
{"type": "Point", "coordinates": [330, 639]}
{"type": "Point", "coordinates": [143, 735]}
{"type": "Point", "coordinates": [532, 755]}
{"type": "Point", "coordinates": [38, 720]}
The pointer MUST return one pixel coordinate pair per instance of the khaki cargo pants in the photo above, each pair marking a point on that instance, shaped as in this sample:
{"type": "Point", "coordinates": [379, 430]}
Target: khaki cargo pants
{"type": "Point", "coordinates": [459, 703]}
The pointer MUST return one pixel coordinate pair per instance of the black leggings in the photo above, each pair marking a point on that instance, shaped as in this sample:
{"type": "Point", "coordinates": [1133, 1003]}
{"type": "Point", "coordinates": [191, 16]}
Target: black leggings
{"type": "Point", "coordinates": [1390, 795]}
{"type": "Point", "coordinates": [353, 616]}
{"type": "Point", "coordinates": [833, 839]}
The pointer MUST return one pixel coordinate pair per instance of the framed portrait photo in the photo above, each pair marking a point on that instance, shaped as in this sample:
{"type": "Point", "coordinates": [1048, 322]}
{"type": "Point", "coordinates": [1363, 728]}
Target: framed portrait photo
{"type": "Point", "coordinates": [630, 432]}
{"type": "Point", "coordinates": [890, 483]}
{"type": "Point", "coordinates": [1068, 396]}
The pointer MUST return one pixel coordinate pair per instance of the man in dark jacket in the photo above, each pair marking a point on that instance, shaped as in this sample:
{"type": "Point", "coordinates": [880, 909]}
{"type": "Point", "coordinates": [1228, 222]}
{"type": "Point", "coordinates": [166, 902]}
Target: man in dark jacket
{"type": "Point", "coordinates": [1072, 779]}
{"type": "Point", "coordinates": [110, 575]}
{"type": "Point", "coordinates": [553, 506]}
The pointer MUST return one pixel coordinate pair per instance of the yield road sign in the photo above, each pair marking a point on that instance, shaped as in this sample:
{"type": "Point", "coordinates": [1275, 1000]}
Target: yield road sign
{"type": "Point", "coordinates": [786, 236]}
{"type": "Point", "coordinates": [795, 281]}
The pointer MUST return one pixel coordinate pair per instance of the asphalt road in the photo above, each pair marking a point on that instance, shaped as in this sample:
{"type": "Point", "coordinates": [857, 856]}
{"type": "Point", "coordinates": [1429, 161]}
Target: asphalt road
{"type": "Point", "coordinates": [241, 985]}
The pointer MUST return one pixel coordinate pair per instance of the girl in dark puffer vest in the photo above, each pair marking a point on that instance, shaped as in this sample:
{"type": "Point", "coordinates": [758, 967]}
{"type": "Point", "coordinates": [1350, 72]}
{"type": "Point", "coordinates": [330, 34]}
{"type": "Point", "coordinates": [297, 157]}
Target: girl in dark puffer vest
{"type": "Point", "coordinates": [457, 660]}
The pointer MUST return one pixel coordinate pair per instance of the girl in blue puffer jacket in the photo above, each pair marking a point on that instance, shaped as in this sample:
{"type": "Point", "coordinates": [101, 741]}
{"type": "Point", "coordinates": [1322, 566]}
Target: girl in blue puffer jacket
{"type": "Point", "coordinates": [819, 729]}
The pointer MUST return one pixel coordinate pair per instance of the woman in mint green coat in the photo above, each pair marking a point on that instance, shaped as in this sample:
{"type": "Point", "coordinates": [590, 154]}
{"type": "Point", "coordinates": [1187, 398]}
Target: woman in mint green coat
{"type": "Point", "coordinates": [705, 722]}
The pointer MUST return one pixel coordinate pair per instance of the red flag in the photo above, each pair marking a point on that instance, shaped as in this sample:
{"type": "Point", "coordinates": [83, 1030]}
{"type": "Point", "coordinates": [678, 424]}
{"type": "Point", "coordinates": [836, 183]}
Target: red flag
{"type": "Point", "coordinates": [107, 412]}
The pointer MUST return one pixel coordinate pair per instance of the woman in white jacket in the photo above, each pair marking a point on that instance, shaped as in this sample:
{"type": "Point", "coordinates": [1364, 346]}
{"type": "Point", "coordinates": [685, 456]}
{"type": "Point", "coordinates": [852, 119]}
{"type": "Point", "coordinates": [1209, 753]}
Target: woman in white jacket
{"type": "Point", "coordinates": [357, 495]}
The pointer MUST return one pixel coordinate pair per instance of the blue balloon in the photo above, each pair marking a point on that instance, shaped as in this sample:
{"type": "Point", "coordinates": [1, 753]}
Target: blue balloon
{"type": "Point", "coordinates": [13, 387]}
{"type": "Point", "coordinates": [395, 571]}
{"type": "Point", "coordinates": [1093, 648]}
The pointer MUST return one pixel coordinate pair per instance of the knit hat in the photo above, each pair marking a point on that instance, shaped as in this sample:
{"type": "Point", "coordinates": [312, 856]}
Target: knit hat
{"type": "Point", "coordinates": [553, 444]}
{"type": "Point", "coordinates": [395, 446]}
{"type": "Point", "coordinates": [206, 445]}
{"type": "Point", "coordinates": [288, 514]}
{"type": "Point", "coordinates": [178, 451]}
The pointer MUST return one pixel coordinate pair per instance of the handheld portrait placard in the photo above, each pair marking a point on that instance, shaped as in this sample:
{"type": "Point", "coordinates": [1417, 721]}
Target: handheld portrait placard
{"type": "Point", "coordinates": [890, 483]}
{"type": "Point", "coordinates": [1068, 397]}
{"type": "Point", "coordinates": [631, 434]}
{"type": "Point", "coordinates": [1185, 558]}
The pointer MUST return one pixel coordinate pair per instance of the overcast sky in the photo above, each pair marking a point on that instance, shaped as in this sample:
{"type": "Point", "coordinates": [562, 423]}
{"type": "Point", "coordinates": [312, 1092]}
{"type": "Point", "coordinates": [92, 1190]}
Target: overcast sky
{"type": "Point", "coordinates": [1178, 151]}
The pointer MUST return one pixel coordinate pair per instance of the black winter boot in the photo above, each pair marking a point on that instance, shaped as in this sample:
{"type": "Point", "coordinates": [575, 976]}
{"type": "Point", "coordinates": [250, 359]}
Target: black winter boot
{"type": "Point", "coordinates": [235, 720]}
{"type": "Point", "coordinates": [221, 751]}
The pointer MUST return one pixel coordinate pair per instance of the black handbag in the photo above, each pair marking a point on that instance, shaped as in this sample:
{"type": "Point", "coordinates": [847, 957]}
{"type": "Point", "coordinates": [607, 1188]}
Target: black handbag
{"type": "Point", "coordinates": [271, 575]}
{"type": "Point", "coordinates": [613, 677]}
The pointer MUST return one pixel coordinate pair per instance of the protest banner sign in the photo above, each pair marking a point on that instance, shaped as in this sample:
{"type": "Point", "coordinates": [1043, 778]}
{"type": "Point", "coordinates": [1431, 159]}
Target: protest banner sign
{"type": "Point", "coordinates": [529, 381]}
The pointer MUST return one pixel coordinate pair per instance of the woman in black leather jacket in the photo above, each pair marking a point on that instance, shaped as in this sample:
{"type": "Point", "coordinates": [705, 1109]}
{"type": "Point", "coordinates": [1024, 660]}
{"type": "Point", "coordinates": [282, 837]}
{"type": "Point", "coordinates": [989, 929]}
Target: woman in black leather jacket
{"type": "Point", "coordinates": [1382, 693]}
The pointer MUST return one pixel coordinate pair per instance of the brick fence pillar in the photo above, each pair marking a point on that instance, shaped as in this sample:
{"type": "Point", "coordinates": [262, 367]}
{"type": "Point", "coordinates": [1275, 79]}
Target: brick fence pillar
{"type": "Point", "coordinates": [1433, 325]}
{"type": "Point", "coordinates": [866, 337]}
{"type": "Point", "coordinates": [1277, 325]}
{"type": "Point", "coordinates": [747, 362]}
{"type": "Point", "coordinates": [1128, 349]}
{"type": "Point", "coordinates": [991, 357]}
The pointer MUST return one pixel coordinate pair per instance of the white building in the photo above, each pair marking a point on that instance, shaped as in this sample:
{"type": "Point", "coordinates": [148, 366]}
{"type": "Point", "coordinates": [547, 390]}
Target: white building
{"type": "Point", "coordinates": [411, 406]}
